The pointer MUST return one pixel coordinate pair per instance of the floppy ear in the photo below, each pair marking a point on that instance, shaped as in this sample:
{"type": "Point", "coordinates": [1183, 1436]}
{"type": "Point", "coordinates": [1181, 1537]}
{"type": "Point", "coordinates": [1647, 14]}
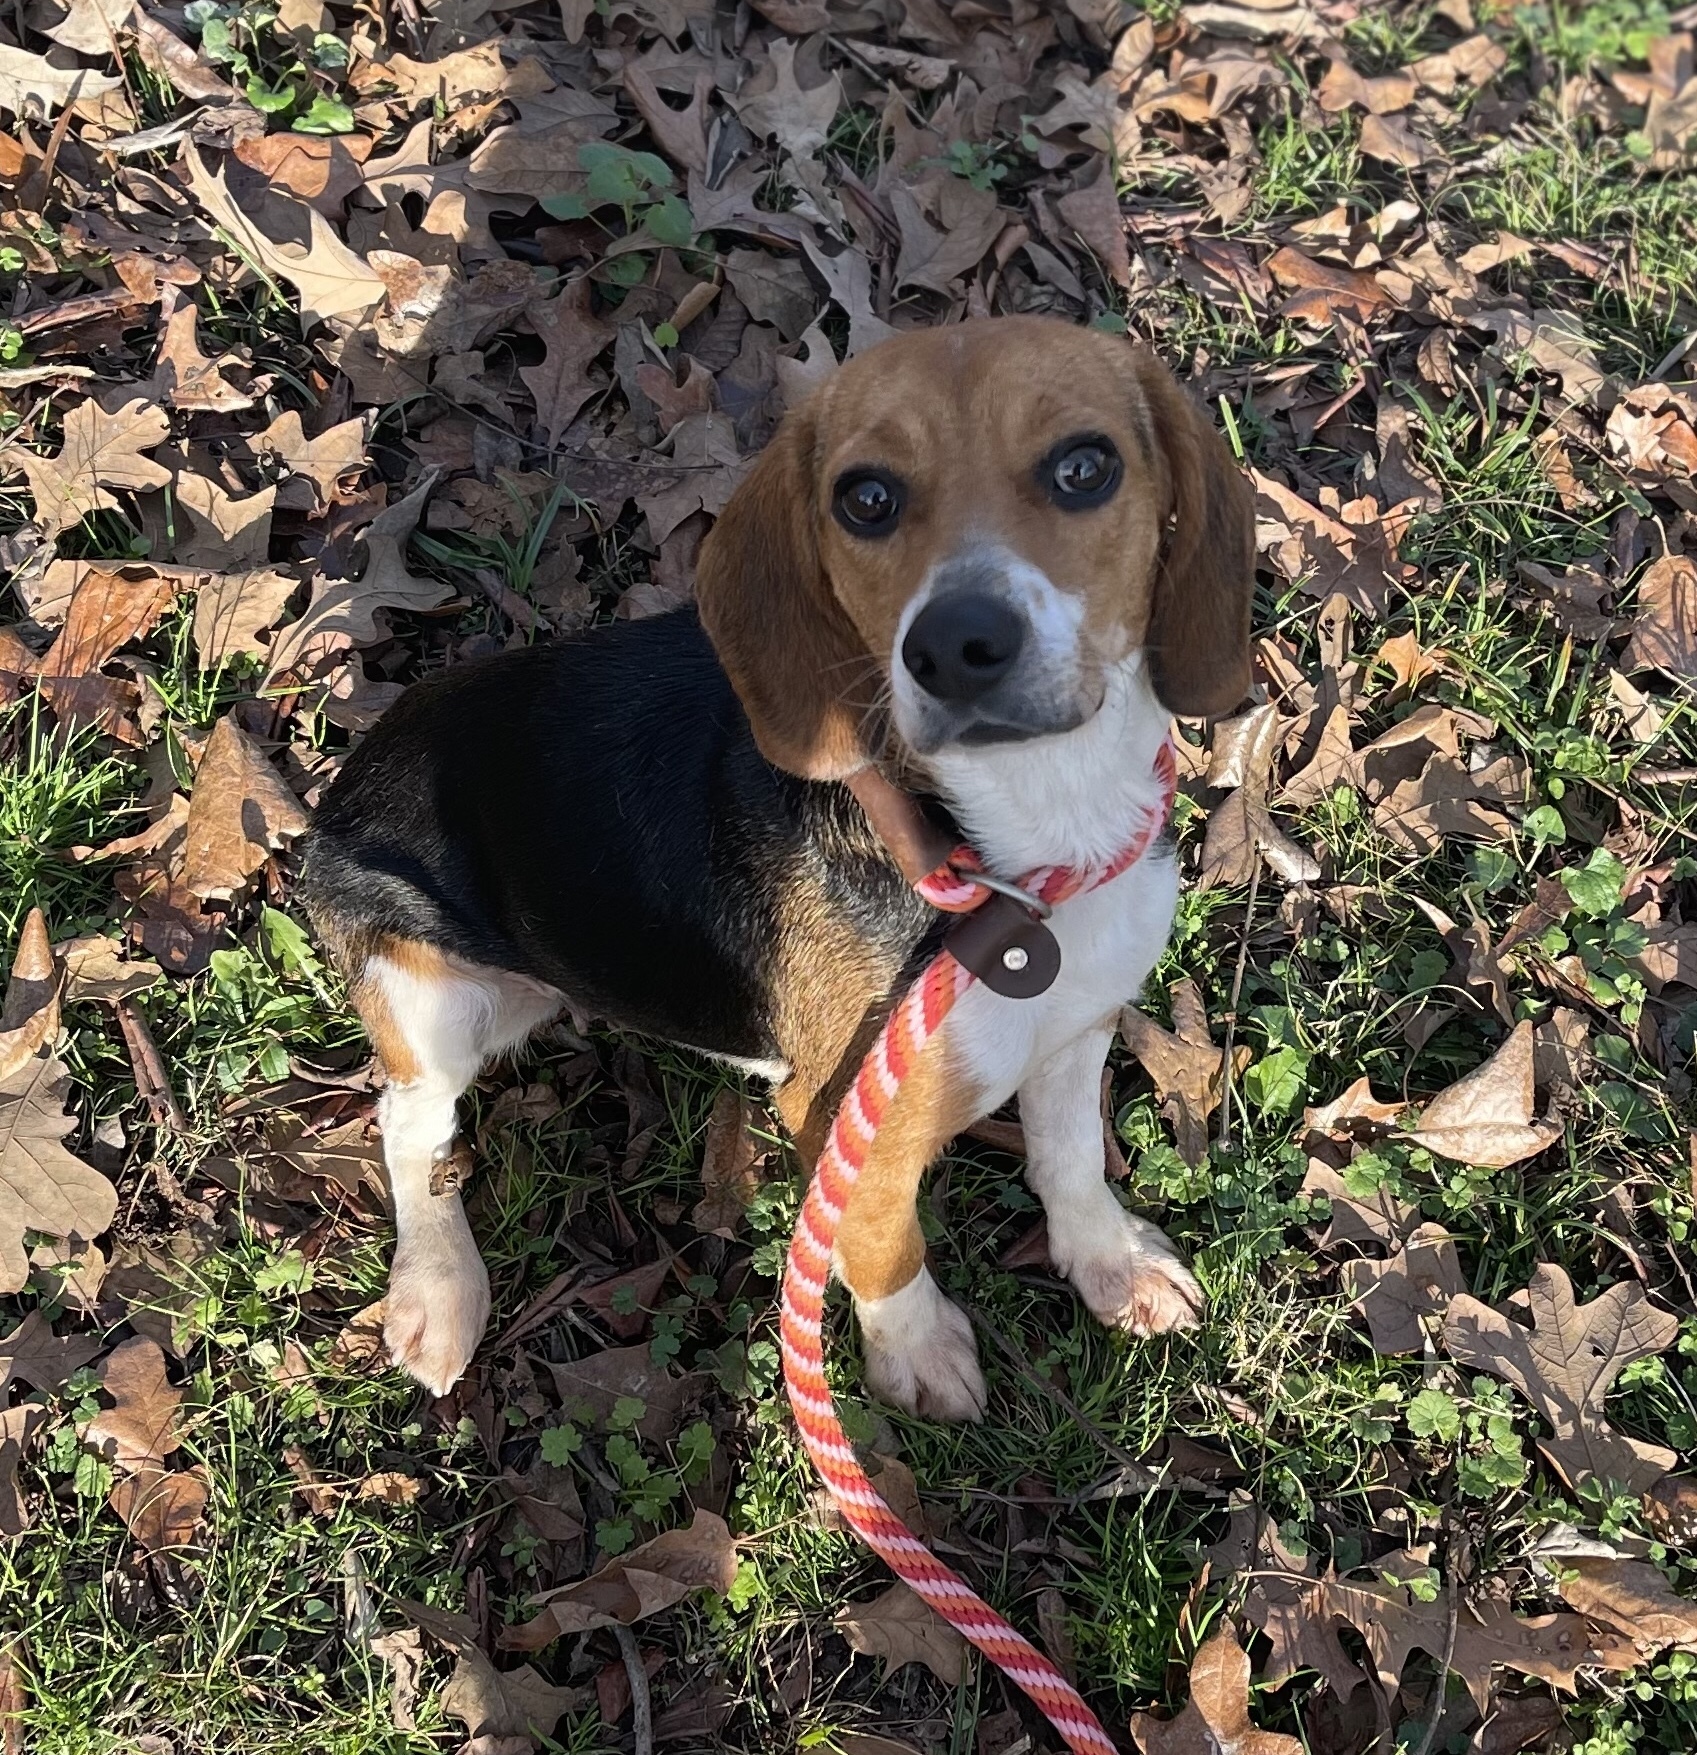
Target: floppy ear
{"type": "Point", "coordinates": [1198, 636]}
{"type": "Point", "coordinates": [802, 673]}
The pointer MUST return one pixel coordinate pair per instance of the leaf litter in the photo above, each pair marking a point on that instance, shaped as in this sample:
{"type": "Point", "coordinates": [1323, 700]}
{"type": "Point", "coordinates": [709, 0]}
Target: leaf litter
{"type": "Point", "coordinates": [293, 366]}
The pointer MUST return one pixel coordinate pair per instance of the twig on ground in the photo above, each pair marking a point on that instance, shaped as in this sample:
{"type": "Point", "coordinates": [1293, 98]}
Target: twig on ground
{"type": "Point", "coordinates": [641, 1707]}
{"type": "Point", "coordinates": [153, 1083]}
{"type": "Point", "coordinates": [1227, 1091]}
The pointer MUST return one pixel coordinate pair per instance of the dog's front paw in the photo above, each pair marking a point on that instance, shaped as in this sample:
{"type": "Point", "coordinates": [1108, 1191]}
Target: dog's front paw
{"type": "Point", "coordinates": [435, 1309]}
{"type": "Point", "coordinates": [920, 1354]}
{"type": "Point", "coordinates": [1128, 1274]}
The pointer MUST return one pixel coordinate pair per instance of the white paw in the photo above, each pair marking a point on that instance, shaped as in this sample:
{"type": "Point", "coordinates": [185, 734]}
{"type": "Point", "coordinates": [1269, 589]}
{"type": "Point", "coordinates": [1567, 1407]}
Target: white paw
{"type": "Point", "coordinates": [920, 1354]}
{"type": "Point", "coordinates": [437, 1305]}
{"type": "Point", "coordinates": [1127, 1272]}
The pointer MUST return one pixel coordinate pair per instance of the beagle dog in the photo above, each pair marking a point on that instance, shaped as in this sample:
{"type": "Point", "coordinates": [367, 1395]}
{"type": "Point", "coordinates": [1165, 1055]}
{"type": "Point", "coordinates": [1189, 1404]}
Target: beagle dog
{"type": "Point", "coordinates": [991, 560]}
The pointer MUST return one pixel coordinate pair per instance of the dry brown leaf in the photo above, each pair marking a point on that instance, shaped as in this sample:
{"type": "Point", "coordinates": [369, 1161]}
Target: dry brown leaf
{"type": "Point", "coordinates": [183, 377]}
{"type": "Point", "coordinates": [227, 533]}
{"type": "Point", "coordinates": [574, 337]}
{"type": "Point", "coordinates": [232, 611]}
{"type": "Point", "coordinates": [29, 1018]}
{"type": "Point", "coordinates": [319, 468]}
{"type": "Point", "coordinates": [728, 1176]}
{"type": "Point", "coordinates": [165, 53]}
{"type": "Point", "coordinates": [32, 88]}
{"type": "Point", "coordinates": [1377, 1218]}
{"type": "Point", "coordinates": [19, 1429]}
{"type": "Point", "coordinates": [343, 612]}
{"type": "Point", "coordinates": [1564, 1365]}
{"type": "Point", "coordinates": [1664, 628]}
{"type": "Point", "coordinates": [1395, 141]}
{"type": "Point", "coordinates": [504, 1709]}
{"type": "Point", "coordinates": [330, 279]}
{"type": "Point", "coordinates": [239, 814]}
{"type": "Point", "coordinates": [139, 1430]}
{"type": "Point", "coordinates": [390, 1487]}
{"type": "Point", "coordinates": [1343, 88]}
{"type": "Point", "coordinates": [1631, 1596]}
{"type": "Point", "coordinates": [1394, 1295]}
{"type": "Point", "coordinates": [321, 170]}
{"type": "Point", "coordinates": [796, 120]}
{"type": "Point", "coordinates": [902, 1628]}
{"type": "Point", "coordinates": [1216, 1717]}
{"type": "Point", "coordinates": [108, 609]}
{"type": "Point", "coordinates": [1188, 1070]}
{"type": "Point", "coordinates": [1352, 555]}
{"type": "Point", "coordinates": [1093, 211]}
{"type": "Point", "coordinates": [1471, 62]}
{"type": "Point", "coordinates": [1486, 1117]}
{"type": "Point", "coordinates": [99, 451]}
{"type": "Point", "coordinates": [162, 1508]}
{"type": "Point", "coordinates": [634, 1585]}
{"type": "Point", "coordinates": [33, 1354]}
{"type": "Point", "coordinates": [42, 1186]}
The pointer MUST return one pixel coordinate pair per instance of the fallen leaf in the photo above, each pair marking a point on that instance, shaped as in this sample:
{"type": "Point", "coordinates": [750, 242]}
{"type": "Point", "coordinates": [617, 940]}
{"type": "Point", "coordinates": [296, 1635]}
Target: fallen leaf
{"type": "Point", "coordinates": [797, 120]}
{"type": "Point", "coordinates": [319, 468]}
{"type": "Point", "coordinates": [1486, 1117]}
{"type": "Point", "coordinates": [240, 812]}
{"type": "Point", "coordinates": [162, 1508]}
{"type": "Point", "coordinates": [1188, 1070]}
{"type": "Point", "coordinates": [108, 609]}
{"type": "Point", "coordinates": [573, 337]}
{"type": "Point", "coordinates": [42, 1186]}
{"type": "Point", "coordinates": [232, 610]}
{"type": "Point", "coordinates": [33, 1354]}
{"type": "Point", "coordinates": [1321, 290]}
{"type": "Point", "coordinates": [634, 1585]}
{"type": "Point", "coordinates": [226, 532]}
{"type": "Point", "coordinates": [330, 279]}
{"type": "Point", "coordinates": [1631, 1596]}
{"type": "Point", "coordinates": [342, 612]}
{"type": "Point", "coordinates": [29, 1017]}
{"type": "Point", "coordinates": [728, 1176]}
{"type": "Point", "coordinates": [1395, 141]}
{"type": "Point", "coordinates": [1394, 1295]}
{"type": "Point", "coordinates": [1378, 1217]}
{"type": "Point", "coordinates": [902, 1628]}
{"type": "Point", "coordinates": [14, 1696]}
{"type": "Point", "coordinates": [1215, 1721]}
{"type": "Point", "coordinates": [99, 451]}
{"type": "Point", "coordinates": [19, 1428]}
{"type": "Point", "coordinates": [1564, 1365]}
{"type": "Point", "coordinates": [499, 1704]}
{"type": "Point", "coordinates": [184, 378]}
{"type": "Point", "coordinates": [31, 88]}
{"type": "Point", "coordinates": [1344, 88]}
{"type": "Point", "coordinates": [1471, 62]}
{"type": "Point", "coordinates": [390, 1487]}
{"type": "Point", "coordinates": [139, 1430]}
{"type": "Point", "coordinates": [162, 51]}
{"type": "Point", "coordinates": [1664, 627]}
{"type": "Point", "coordinates": [597, 1383]}
{"type": "Point", "coordinates": [1352, 555]}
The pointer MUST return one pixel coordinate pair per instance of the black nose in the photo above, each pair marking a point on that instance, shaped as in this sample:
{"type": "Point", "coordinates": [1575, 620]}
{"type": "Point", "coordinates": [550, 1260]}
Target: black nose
{"type": "Point", "coordinates": [962, 644]}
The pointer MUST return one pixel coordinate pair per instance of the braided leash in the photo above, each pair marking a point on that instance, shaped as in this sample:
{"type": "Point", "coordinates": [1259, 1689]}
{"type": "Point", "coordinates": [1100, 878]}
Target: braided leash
{"type": "Point", "coordinates": [895, 1053]}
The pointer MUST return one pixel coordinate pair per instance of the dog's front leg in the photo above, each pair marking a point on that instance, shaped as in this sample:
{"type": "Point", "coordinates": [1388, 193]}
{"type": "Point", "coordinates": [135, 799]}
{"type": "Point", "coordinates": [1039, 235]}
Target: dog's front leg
{"type": "Point", "coordinates": [1123, 1267]}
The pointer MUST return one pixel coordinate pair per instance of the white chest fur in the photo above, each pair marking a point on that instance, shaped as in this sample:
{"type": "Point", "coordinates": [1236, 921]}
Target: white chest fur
{"type": "Point", "coordinates": [1075, 800]}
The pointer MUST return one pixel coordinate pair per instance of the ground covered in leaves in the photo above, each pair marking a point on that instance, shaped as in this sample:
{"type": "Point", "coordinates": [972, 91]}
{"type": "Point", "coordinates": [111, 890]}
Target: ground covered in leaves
{"type": "Point", "coordinates": [345, 342]}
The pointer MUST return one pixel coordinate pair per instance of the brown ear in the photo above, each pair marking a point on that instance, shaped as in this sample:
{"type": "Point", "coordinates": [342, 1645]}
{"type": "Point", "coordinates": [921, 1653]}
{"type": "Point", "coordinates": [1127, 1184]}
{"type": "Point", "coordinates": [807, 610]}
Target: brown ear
{"type": "Point", "coordinates": [1198, 637]}
{"type": "Point", "coordinates": [802, 673]}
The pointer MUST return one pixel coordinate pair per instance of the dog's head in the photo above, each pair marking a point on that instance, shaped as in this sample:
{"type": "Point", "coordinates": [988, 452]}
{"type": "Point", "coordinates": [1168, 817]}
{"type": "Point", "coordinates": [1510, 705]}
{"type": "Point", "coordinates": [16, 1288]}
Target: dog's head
{"type": "Point", "coordinates": [970, 528]}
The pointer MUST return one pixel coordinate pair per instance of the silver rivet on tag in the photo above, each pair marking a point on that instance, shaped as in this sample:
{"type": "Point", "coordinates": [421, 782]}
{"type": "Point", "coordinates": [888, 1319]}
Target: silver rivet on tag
{"type": "Point", "coordinates": [1015, 957]}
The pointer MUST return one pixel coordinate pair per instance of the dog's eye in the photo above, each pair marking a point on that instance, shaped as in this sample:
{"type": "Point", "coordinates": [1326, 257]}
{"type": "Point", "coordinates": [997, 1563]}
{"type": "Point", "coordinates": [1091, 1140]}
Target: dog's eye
{"type": "Point", "coordinates": [868, 504]}
{"type": "Point", "coordinates": [1083, 472]}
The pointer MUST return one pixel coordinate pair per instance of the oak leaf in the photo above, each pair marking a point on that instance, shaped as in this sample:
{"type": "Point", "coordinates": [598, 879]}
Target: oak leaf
{"type": "Point", "coordinates": [184, 377]}
{"type": "Point", "coordinates": [1188, 1070]}
{"type": "Point", "coordinates": [797, 120]}
{"type": "Point", "coordinates": [1564, 1365]}
{"type": "Point", "coordinates": [31, 88]}
{"type": "Point", "coordinates": [634, 1585]}
{"type": "Point", "coordinates": [1216, 1717]}
{"type": "Point", "coordinates": [728, 1175]}
{"type": "Point", "coordinates": [108, 609]}
{"type": "Point", "coordinates": [239, 814]}
{"type": "Point", "coordinates": [29, 1018]}
{"type": "Point", "coordinates": [1486, 1117]}
{"type": "Point", "coordinates": [33, 1354]}
{"type": "Point", "coordinates": [1664, 628]}
{"type": "Point", "coordinates": [1419, 1280]}
{"type": "Point", "coordinates": [162, 1508]}
{"type": "Point", "coordinates": [99, 451]}
{"type": "Point", "coordinates": [139, 1430]}
{"type": "Point", "coordinates": [573, 337]}
{"type": "Point", "coordinates": [317, 468]}
{"type": "Point", "coordinates": [330, 279]}
{"type": "Point", "coordinates": [43, 1187]}
{"type": "Point", "coordinates": [343, 612]}
{"type": "Point", "coordinates": [902, 1628]}
{"type": "Point", "coordinates": [232, 610]}
{"type": "Point", "coordinates": [19, 1428]}
{"type": "Point", "coordinates": [227, 533]}
{"type": "Point", "coordinates": [1631, 1596]}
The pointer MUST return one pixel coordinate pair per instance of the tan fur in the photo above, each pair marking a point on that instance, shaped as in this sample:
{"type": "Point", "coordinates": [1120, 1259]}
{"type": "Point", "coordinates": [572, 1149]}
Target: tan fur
{"type": "Point", "coordinates": [804, 614]}
{"type": "Point", "coordinates": [833, 993]}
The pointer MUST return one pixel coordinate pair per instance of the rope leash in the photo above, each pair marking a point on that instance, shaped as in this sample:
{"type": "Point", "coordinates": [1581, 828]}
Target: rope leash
{"type": "Point", "coordinates": [912, 1024]}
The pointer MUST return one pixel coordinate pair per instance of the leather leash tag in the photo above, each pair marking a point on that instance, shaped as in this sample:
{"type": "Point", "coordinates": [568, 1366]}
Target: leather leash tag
{"type": "Point", "coordinates": [1007, 950]}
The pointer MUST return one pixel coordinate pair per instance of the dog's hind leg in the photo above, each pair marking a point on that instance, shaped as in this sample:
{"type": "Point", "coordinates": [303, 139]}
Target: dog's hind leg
{"type": "Point", "coordinates": [434, 1021]}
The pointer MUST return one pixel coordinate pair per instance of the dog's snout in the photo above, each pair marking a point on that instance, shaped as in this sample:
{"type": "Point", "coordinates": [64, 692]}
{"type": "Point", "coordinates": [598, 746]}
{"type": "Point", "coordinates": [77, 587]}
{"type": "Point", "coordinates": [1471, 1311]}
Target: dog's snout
{"type": "Point", "coordinates": [962, 644]}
